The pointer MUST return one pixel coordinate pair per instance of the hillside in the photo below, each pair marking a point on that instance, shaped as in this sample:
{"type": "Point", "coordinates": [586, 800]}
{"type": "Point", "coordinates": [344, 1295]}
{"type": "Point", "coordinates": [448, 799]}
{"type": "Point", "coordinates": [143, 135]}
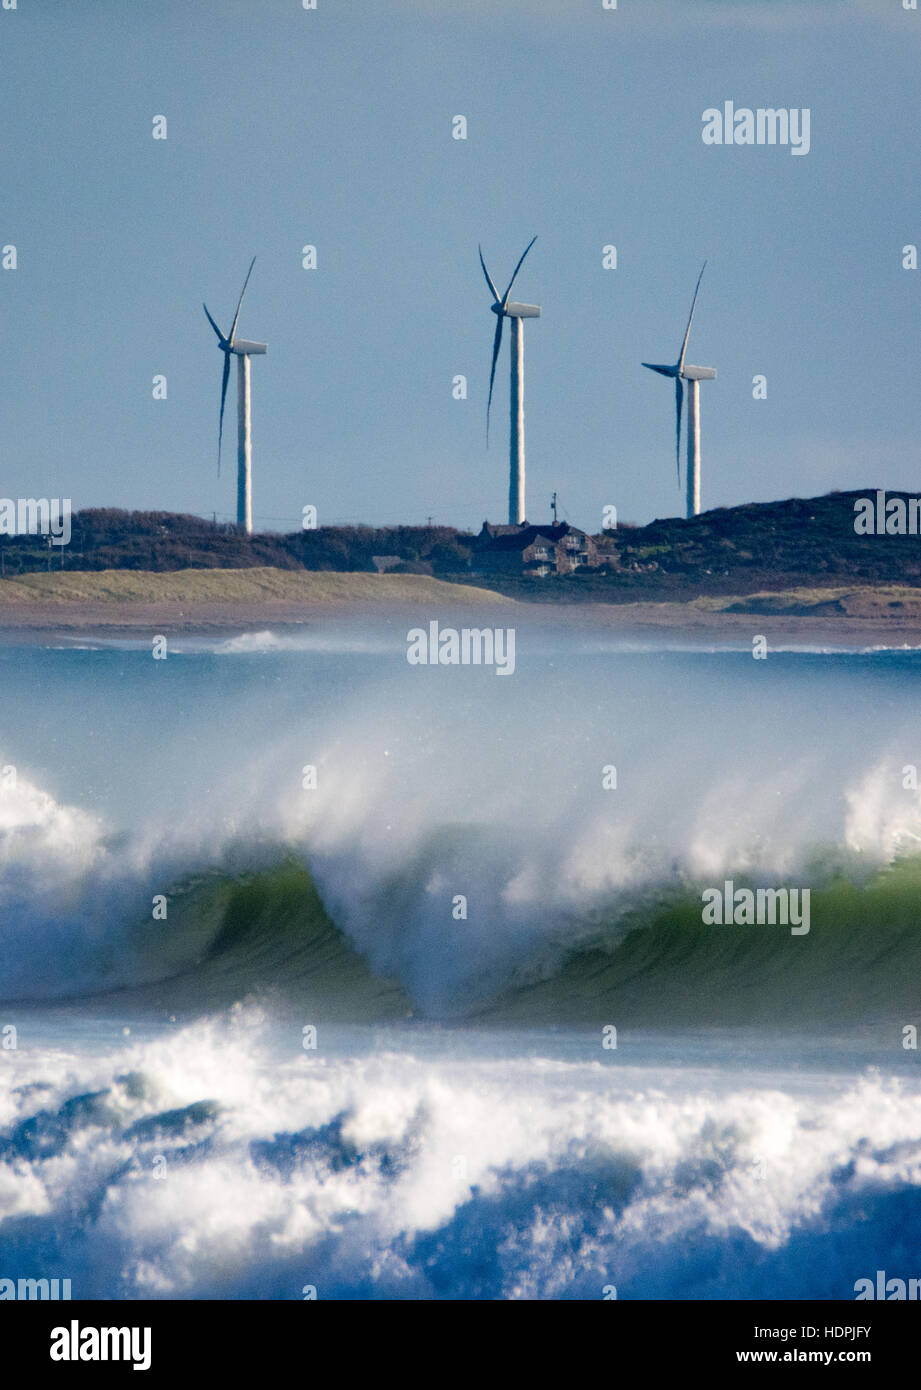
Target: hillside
{"type": "Point", "coordinates": [110, 539]}
{"type": "Point", "coordinates": [760, 547]}
{"type": "Point", "coordinates": [764, 546]}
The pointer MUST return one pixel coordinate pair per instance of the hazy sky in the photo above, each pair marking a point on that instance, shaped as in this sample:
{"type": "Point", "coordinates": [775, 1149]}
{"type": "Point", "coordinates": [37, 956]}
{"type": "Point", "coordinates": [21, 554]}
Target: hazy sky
{"type": "Point", "coordinates": [334, 127]}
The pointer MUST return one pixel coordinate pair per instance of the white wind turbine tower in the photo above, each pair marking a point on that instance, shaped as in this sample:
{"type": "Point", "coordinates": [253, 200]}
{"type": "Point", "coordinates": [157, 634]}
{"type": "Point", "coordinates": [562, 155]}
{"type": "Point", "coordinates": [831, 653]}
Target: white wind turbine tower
{"type": "Point", "coordinates": [682, 371]}
{"type": "Point", "coordinates": [242, 350]}
{"type": "Point", "coordinates": [504, 308]}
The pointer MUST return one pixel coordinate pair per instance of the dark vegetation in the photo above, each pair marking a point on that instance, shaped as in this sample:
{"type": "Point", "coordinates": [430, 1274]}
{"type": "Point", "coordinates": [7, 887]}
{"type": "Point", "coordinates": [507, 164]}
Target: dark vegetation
{"type": "Point", "coordinates": [737, 550]}
{"type": "Point", "coordinates": [800, 542]}
{"type": "Point", "coordinates": [107, 538]}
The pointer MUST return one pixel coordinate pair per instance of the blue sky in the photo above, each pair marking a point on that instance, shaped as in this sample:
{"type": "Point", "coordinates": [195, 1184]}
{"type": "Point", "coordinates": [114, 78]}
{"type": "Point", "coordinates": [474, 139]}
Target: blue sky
{"type": "Point", "coordinates": [333, 127]}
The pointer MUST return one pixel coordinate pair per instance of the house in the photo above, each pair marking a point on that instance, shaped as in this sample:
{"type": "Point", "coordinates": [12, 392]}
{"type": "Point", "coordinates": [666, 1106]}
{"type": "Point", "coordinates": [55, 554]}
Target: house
{"type": "Point", "coordinates": [536, 550]}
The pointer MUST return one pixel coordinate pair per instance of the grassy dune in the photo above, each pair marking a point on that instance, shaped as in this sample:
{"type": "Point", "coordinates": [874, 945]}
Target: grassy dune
{"type": "Point", "coordinates": [238, 586]}
{"type": "Point", "coordinates": [269, 585]}
{"type": "Point", "coordinates": [859, 601]}
{"type": "Point", "coordinates": [205, 599]}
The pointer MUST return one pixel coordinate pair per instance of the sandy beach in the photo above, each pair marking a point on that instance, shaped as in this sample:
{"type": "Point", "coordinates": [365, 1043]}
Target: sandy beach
{"type": "Point", "coordinates": [77, 606]}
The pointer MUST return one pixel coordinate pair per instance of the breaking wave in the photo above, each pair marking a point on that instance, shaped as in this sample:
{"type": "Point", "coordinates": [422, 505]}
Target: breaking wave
{"type": "Point", "coordinates": [460, 908]}
{"type": "Point", "coordinates": [458, 848]}
{"type": "Point", "coordinates": [458, 852]}
{"type": "Point", "coordinates": [221, 1160]}
{"type": "Point", "coordinates": [83, 920]}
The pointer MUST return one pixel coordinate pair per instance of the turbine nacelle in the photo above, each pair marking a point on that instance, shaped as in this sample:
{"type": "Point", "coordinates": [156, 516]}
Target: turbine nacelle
{"type": "Point", "coordinates": [242, 348]}
{"type": "Point", "coordinates": [687, 372]}
{"type": "Point", "coordinates": [517, 311]}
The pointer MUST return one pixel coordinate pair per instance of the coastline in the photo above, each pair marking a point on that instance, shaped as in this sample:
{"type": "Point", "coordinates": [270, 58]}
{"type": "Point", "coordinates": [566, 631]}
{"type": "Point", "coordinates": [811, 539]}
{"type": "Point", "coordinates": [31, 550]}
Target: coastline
{"type": "Point", "coordinates": [138, 604]}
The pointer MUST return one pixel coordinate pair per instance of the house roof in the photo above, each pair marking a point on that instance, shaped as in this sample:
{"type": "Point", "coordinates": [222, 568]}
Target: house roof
{"type": "Point", "coordinates": [520, 537]}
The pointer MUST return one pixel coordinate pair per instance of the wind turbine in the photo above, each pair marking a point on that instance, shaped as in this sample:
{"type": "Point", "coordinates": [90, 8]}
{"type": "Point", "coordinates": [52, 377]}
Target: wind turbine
{"type": "Point", "coordinates": [504, 308]}
{"type": "Point", "coordinates": [232, 346]}
{"type": "Point", "coordinates": [683, 371]}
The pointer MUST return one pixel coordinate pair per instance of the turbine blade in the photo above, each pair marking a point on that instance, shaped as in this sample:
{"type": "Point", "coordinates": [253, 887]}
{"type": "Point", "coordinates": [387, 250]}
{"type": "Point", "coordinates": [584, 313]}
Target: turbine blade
{"type": "Point", "coordinates": [687, 331]}
{"type": "Point", "coordinates": [517, 268]}
{"type": "Point", "coordinates": [496, 345]}
{"type": "Point", "coordinates": [679, 401]}
{"type": "Point", "coordinates": [233, 328]}
{"type": "Point", "coordinates": [494, 291]}
{"type": "Point", "coordinates": [220, 336]}
{"type": "Point", "coordinates": [661, 368]}
{"type": "Point", "coordinates": [220, 431]}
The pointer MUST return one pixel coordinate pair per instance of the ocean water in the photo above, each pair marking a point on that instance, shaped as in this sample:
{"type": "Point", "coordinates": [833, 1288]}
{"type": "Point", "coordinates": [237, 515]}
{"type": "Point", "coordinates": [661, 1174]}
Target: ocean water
{"type": "Point", "coordinates": [448, 1023]}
